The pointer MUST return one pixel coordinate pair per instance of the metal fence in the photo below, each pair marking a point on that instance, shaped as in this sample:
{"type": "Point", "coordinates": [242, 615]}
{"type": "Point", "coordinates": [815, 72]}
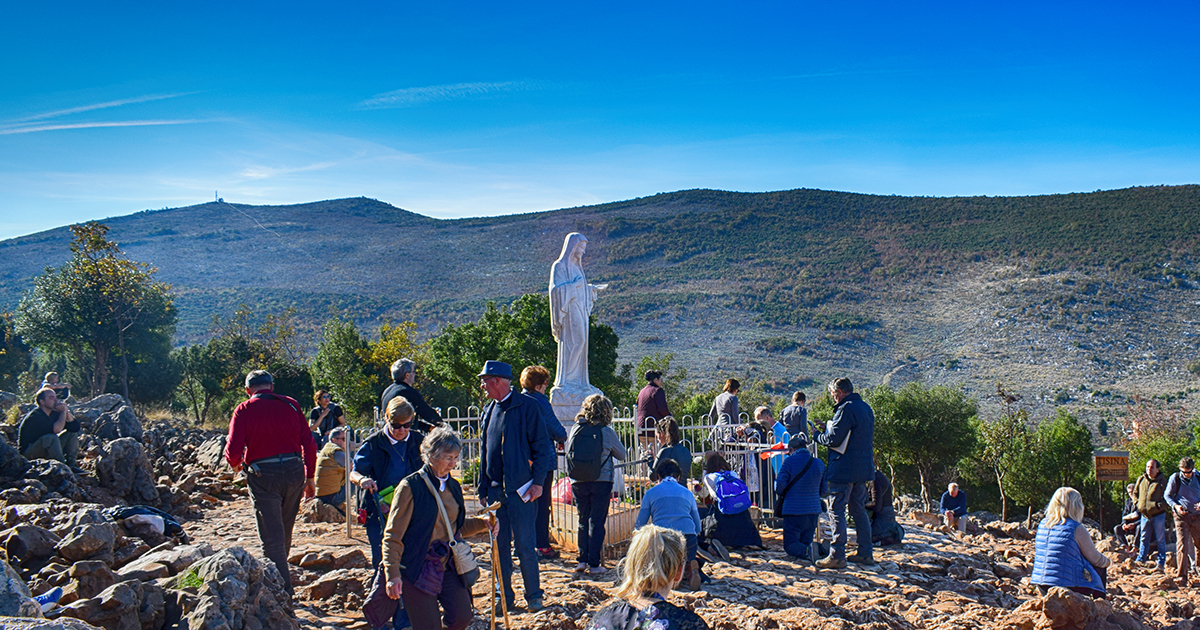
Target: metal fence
{"type": "Point", "coordinates": [630, 482]}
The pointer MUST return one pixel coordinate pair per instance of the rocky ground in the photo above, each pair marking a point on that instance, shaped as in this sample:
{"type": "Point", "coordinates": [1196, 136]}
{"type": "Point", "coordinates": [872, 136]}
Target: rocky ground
{"type": "Point", "coordinates": [119, 575]}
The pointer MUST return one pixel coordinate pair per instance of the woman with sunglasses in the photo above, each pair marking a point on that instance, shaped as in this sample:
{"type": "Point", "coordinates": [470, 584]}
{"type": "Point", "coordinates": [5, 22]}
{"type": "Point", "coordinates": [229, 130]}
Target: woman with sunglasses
{"type": "Point", "coordinates": [324, 416]}
{"type": "Point", "coordinates": [381, 463]}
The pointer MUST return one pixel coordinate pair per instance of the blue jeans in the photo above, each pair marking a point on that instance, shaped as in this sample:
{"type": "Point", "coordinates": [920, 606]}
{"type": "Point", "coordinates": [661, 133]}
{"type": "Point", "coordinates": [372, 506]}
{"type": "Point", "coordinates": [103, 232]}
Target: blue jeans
{"type": "Point", "coordinates": [853, 496]}
{"type": "Point", "coordinates": [591, 502]}
{"type": "Point", "coordinates": [1154, 529]}
{"type": "Point", "coordinates": [798, 535]}
{"type": "Point", "coordinates": [518, 525]}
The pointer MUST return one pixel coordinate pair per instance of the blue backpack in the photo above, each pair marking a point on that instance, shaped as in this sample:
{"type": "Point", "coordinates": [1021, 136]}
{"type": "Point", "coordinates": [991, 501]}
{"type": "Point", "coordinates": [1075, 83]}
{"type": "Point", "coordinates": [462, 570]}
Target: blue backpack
{"type": "Point", "coordinates": [732, 495]}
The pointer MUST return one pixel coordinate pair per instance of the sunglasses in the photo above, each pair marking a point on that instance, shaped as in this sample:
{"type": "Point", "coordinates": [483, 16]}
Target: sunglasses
{"type": "Point", "coordinates": [406, 425]}
{"type": "Point", "coordinates": [1187, 472]}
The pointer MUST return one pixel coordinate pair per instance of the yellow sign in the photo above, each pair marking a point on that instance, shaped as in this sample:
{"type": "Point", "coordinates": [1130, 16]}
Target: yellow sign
{"type": "Point", "coordinates": [1111, 465]}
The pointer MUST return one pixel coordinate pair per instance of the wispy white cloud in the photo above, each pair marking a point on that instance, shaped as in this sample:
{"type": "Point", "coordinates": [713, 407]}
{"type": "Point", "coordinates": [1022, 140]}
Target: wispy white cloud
{"type": "Point", "coordinates": [95, 106]}
{"type": "Point", "coordinates": [409, 97]}
{"type": "Point", "coordinates": [264, 172]}
{"type": "Point", "coordinates": [5, 131]}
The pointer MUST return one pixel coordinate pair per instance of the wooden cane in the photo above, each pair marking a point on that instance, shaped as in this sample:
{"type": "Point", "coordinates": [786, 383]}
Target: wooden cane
{"type": "Point", "coordinates": [498, 580]}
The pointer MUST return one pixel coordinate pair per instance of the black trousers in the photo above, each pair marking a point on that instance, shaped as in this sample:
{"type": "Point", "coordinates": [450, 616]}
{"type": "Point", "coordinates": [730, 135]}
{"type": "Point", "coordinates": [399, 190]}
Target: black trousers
{"type": "Point", "coordinates": [276, 495]}
{"type": "Point", "coordinates": [543, 513]}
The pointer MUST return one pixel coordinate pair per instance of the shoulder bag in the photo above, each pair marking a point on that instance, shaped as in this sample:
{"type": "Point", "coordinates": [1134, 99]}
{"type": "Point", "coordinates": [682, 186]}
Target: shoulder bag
{"type": "Point", "coordinates": [464, 559]}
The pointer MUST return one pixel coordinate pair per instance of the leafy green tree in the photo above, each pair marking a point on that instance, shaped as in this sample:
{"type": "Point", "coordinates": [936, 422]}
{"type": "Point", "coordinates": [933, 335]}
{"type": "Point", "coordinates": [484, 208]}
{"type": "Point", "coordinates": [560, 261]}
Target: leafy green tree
{"type": "Point", "coordinates": [97, 305]}
{"type": "Point", "coordinates": [1059, 453]}
{"type": "Point", "coordinates": [1001, 443]}
{"type": "Point", "coordinates": [675, 379]}
{"type": "Point", "coordinates": [929, 428]}
{"type": "Point", "coordinates": [15, 356]}
{"type": "Point", "coordinates": [340, 365]}
{"type": "Point", "coordinates": [395, 341]}
{"type": "Point", "coordinates": [518, 334]}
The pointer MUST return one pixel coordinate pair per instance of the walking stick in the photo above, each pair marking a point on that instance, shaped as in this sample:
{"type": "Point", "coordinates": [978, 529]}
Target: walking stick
{"type": "Point", "coordinates": [497, 579]}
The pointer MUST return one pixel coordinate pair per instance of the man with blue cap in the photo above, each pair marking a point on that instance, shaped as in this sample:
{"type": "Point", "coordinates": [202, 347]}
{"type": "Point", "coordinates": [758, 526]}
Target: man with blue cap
{"type": "Point", "coordinates": [517, 454]}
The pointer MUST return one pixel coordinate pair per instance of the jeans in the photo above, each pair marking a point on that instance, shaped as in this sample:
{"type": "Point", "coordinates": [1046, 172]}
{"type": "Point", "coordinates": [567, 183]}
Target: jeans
{"type": "Point", "coordinates": [543, 513]}
{"type": "Point", "coordinates": [591, 502]}
{"type": "Point", "coordinates": [1154, 529]}
{"type": "Point", "coordinates": [517, 524]}
{"type": "Point", "coordinates": [337, 499]}
{"type": "Point", "coordinates": [1122, 536]}
{"type": "Point", "coordinates": [276, 495]}
{"type": "Point", "coordinates": [1187, 534]}
{"type": "Point", "coordinates": [853, 496]}
{"type": "Point", "coordinates": [798, 534]}
{"type": "Point", "coordinates": [63, 447]}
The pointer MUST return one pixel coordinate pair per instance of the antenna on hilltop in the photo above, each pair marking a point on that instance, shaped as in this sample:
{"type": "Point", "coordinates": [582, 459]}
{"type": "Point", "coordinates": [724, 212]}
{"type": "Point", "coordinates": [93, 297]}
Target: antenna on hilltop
{"type": "Point", "coordinates": [215, 197]}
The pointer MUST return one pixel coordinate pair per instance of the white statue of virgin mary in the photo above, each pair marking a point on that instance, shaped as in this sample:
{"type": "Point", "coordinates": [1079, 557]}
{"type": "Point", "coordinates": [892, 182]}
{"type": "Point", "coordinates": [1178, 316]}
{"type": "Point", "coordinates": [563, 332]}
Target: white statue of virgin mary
{"type": "Point", "coordinates": [571, 300]}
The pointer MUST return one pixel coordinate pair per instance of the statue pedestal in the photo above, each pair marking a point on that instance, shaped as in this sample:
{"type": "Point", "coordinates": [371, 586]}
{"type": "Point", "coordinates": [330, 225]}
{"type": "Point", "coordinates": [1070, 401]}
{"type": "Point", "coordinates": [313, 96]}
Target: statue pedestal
{"type": "Point", "coordinates": [568, 399]}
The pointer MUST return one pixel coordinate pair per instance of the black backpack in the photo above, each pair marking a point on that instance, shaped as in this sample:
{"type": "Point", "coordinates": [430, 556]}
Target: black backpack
{"type": "Point", "coordinates": [585, 452]}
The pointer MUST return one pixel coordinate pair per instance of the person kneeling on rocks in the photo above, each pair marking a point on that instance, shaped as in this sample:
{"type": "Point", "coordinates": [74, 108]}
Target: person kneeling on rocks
{"type": "Point", "coordinates": [799, 486]}
{"type": "Point", "coordinates": [668, 504]}
{"type": "Point", "coordinates": [953, 507]}
{"type": "Point", "coordinates": [50, 431]}
{"type": "Point", "coordinates": [1063, 551]}
{"type": "Point", "coordinates": [331, 470]}
{"type": "Point", "coordinates": [653, 566]}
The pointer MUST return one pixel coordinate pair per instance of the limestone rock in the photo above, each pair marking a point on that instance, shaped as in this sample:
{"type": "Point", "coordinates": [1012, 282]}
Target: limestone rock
{"type": "Point", "coordinates": [338, 582]}
{"type": "Point", "coordinates": [89, 578]}
{"type": "Point", "coordinates": [176, 559]}
{"type": "Point", "coordinates": [211, 453]}
{"type": "Point", "coordinates": [92, 541]}
{"type": "Point", "coordinates": [88, 412]}
{"type": "Point", "coordinates": [240, 591]}
{"type": "Point", "coordinates": [15, 598]}
{"type": "Point", "coordinates": [121, 422]}
{"type": "Point", "coordinates": [123, 468]}
{"type": "Point", "coordinates": [315, 511]}
{"type": "Point", "coordinates": [47, 624]}
{"type": "Point", "coordinates": [12, 464]}
{"type": "Point", "coordinates": [1004, 529]}
{"type": "Point", "coordinates": [129, 605]}
{"type": "Point", "coordinates": [28, 542]}
{"type": "Point", "coordinates": [57, 477]}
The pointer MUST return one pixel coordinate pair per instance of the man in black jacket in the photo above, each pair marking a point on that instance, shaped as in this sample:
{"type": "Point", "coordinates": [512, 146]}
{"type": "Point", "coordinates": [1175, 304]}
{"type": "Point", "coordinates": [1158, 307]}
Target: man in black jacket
{"type": "Point", "coordinates": [404, 374]}
{"type": "Point", "coordinates": [1130, 518]}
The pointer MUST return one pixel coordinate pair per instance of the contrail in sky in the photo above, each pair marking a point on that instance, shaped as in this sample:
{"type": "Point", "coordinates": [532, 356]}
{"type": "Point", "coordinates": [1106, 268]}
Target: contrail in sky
{"type": "Point", "coordinates": [91, 125]}
{"type": "Point", "coordinates": [88, 108]}
{"type": "Point", "coordinates": [408, 97]}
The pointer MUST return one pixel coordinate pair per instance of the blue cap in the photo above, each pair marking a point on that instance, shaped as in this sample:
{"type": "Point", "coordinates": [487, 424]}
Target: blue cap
{"type": "Point", "coordinates": [497, 368]}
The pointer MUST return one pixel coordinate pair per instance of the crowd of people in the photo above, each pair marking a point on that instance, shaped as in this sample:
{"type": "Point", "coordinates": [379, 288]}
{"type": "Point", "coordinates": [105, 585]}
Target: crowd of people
{"type": "Point", "coordinates": [415, 514]}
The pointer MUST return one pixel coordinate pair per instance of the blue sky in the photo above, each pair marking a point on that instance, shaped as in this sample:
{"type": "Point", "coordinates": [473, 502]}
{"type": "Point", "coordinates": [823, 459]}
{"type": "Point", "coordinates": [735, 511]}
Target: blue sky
{"type": "Point", "coordinates": [467, 109]}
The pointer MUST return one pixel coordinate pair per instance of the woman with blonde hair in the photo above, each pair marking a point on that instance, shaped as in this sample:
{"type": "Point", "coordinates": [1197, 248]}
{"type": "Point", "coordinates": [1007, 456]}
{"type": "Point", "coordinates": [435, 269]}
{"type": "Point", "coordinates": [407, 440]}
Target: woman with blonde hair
{"type": "Point", "coordinates": [1063, 551]}
{"type": "Point", "coordinates": [651, 568]}
{"type": "Point", "coordinates": [592, 446]}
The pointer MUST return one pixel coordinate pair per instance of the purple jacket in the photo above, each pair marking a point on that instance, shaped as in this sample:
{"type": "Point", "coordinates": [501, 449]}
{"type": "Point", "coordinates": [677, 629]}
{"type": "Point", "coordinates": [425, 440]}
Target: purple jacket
{"type": "Point", "coordinates": [651, 403]}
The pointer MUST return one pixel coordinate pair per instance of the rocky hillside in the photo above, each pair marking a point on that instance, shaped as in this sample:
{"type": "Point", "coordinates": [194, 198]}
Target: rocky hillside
{"type": "Point", "coordinates": [57, 529]}
{"type": "Point", "coordinates": [1083, 299]}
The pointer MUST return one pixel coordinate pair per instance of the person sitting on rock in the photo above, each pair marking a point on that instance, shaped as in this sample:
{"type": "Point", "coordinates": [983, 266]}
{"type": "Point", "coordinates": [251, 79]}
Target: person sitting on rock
{"type": "Point", "coordinates": [668, 504]}
{"type": "Point", "coordinates": [799, 487]}
{"type": "Point", "coordinates": [1063, 551]}
{"type": "Point", "coordinates": [62, 390]}
{"type": "Point", "coordinates": [953, 507]}
{"type": "Point", "coordinates": [331, 470]}
{"type": "Point", "coordinates": [49, 431]}
{"type": "Point", "coordinates": [654, 565]}
{"type": "Point", "coordinates": [1130, 518]}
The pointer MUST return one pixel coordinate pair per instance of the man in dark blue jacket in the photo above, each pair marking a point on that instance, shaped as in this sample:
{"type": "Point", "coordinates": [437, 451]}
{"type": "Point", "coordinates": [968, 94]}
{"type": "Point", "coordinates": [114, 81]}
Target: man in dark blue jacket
{"type": "Point", "coordinates": [516, 457]}
{"type": "Point", "coordinates": [850, 438]}
{"type": "Point", "coordinates": [953, 507]}
{"type": "Point", "coordinates": [800, 486]}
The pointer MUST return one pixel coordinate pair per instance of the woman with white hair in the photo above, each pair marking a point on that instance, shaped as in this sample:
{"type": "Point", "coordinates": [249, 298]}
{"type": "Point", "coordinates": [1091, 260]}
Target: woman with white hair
{"type": "Point", "coordinates": [1063, 552]}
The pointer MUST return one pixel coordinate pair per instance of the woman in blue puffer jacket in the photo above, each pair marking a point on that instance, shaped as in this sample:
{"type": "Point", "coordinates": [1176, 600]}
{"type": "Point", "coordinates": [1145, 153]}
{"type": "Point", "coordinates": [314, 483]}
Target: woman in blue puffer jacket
{"type": "Point", "coordinates": [1063, 552]}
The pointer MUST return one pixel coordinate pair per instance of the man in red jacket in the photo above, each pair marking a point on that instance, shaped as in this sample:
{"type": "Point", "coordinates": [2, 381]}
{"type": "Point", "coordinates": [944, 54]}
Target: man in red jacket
{"type": "Point", "coordinates": [269, 435]}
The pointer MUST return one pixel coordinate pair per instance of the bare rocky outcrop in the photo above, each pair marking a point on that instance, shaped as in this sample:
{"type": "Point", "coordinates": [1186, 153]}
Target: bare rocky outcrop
{"type": "Point", "coordinates": [128, 605]}
{"type": "Point", "coordinates": [47, 624]}
{"type": "Point", "coordinates": [240, 592]}
{"type": "Point", "coordinates": [211, 454]}
{"type": "Point", "coordinates": [122, 468]}
{"type": "Point", "coordinates": [15, 598]}
{"type": "Point", "coordinates": [120, 422]}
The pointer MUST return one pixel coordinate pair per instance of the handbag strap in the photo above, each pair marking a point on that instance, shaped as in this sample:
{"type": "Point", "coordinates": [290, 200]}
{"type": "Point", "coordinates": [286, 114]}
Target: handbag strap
{"type": "Point", "coordinates": [441, 507]}
{"type": "Point", "coordinates": [788, 488]}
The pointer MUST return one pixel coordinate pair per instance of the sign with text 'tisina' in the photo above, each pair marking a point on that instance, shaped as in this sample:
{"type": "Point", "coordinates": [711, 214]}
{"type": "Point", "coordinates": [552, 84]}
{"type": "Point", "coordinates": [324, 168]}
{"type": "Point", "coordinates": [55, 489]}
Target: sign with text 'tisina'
{"type": "Point", "coordinates": [1111, 465]}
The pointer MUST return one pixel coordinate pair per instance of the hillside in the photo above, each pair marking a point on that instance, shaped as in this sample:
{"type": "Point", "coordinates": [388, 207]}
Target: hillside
{"type": "Point", "coordinates": [1082, 299]}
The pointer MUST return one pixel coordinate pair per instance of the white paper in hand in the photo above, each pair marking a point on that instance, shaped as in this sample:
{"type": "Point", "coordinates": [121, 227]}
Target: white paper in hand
{"type": "Point", "coordinates": [523, 491]}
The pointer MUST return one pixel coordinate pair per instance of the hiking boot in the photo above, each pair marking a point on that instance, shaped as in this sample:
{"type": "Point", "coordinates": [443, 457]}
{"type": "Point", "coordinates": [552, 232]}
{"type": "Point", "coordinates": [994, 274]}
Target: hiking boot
{"type": "Point", "coordinates": [858, 558]}
{"type": "Point", "coordinates": [832, 562]}
{"type": "Point", "coordinates": [694, 575]}
{"type": "Point", "coordinates": [534, 605]}
{"type": "Point", "coordinates": [718, 549]}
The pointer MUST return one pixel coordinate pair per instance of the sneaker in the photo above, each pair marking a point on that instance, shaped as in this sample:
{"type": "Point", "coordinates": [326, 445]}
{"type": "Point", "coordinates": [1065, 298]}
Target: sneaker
{"type": "Point", "coordinates": [547, 553]}
{"type": "Point", "coordinates": [694, 575]}
{"type": "Point", "coordinates": [581, 567]}
{"type": "Point", "coordinates": [534, 605]}
{"type": "Point", "coordinates": [861, 559]}
{"type": "Point", "coordinates": [597, 571]}
{"type": "Point", "coordinates": [832, 562]}
{"type": "Point", "coordinates": [718, 549]}
{"type": "Point", "coordinates": [49, 599]}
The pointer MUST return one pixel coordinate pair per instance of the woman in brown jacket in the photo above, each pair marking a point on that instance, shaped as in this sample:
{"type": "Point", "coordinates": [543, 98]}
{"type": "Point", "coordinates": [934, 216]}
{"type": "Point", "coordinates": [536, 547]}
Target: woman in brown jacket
{"type": "Point", "coordinates": [417, 558]}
